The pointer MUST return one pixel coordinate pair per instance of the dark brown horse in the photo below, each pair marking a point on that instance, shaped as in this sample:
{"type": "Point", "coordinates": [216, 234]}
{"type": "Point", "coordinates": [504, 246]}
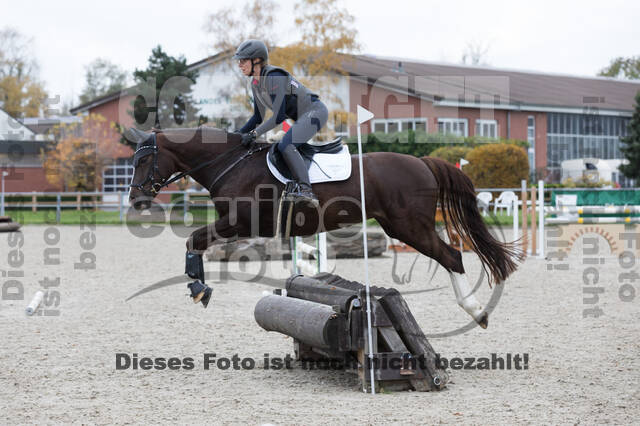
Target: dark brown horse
{"type": "Point", "coordinates": [402, 193]}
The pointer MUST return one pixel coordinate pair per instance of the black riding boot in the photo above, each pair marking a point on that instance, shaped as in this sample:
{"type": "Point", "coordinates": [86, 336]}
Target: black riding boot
{"type": "Point", "coordinates": [301, 174]}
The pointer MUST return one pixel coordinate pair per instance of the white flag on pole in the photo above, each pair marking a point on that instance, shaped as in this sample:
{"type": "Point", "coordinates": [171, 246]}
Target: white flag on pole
{"type": "Point", "coordinates": [364, 115]}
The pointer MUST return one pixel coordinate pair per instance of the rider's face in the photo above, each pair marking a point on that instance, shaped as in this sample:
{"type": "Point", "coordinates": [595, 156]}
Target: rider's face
{"type": "Point", "coordinates": [245, 66]}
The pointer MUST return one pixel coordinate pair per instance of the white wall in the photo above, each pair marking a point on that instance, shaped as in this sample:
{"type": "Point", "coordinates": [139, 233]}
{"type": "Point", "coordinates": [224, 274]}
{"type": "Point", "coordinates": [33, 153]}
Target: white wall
{"type": "Point", "coordinates": [212, 94]}
{"type": "Point", "coordinates": [11, 129]}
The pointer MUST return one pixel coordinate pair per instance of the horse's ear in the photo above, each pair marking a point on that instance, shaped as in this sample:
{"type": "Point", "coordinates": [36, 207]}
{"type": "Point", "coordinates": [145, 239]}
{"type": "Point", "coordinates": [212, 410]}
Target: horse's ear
{"type": "Point", "coordinates": [135, 136]}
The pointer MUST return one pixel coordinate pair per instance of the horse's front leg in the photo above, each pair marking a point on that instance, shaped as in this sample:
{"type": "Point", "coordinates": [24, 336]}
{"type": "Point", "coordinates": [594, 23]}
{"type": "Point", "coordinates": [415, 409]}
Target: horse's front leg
{"type": "Point", "coordinates": [197, 243]}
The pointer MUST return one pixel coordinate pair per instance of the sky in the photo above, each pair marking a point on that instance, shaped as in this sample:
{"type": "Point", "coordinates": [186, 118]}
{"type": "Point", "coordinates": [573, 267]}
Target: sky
{"type": "Point", "coordinates": [577, 38]}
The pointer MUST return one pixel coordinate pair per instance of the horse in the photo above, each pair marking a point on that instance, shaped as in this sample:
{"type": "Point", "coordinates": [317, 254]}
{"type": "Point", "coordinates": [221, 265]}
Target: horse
{"type": "Point", "coordinates": [402, 193]}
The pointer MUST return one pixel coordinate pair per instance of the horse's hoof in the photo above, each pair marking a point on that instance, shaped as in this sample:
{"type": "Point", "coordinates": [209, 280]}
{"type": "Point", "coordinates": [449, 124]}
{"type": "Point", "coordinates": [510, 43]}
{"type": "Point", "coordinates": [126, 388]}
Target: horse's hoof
{"type": "Point", "coordinates": [483, 321]}
{"type": "Point", "coordinates": [200, 292]}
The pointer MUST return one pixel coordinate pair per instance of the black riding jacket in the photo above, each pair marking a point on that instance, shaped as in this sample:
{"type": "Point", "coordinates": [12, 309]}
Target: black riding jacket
{"type": "Point", "coordinates": [280, 92]}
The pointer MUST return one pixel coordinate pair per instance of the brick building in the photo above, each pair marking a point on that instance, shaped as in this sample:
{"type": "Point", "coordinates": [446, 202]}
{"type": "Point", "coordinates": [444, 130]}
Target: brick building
{"type": "Point", "coordinates": [20, 149]}
{"type": "Point", "coordinates": [562, 117]}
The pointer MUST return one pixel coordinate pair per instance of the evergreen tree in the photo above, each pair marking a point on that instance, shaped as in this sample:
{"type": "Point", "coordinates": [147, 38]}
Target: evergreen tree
{"type": "Point", "coordinates": [173, 100]}
{"type": "Point", "coordinates": [631, 145]}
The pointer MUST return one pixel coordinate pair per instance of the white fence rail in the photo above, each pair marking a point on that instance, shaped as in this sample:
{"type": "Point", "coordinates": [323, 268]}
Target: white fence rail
{"type": "Point", "coordinates": [109, 201]}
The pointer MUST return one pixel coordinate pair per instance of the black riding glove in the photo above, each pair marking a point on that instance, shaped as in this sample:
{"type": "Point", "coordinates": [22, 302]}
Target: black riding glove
{"type": "Point", "coordinates": [248, 139]}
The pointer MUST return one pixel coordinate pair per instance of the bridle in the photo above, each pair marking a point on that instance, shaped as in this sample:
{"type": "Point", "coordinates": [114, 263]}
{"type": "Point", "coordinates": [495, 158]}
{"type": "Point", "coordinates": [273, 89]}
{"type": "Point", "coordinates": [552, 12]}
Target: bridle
{"type": "Point", "coordinates": [144, 150]}
{"type": "Point", "coordinates": [150, 147]}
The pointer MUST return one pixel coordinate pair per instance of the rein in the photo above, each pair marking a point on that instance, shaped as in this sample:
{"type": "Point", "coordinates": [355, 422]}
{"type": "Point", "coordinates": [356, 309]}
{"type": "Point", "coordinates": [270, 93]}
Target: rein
{"type": "Point", "coordinates": [156, 187]}
{"type": "Point", "coordinates": [235, 163]}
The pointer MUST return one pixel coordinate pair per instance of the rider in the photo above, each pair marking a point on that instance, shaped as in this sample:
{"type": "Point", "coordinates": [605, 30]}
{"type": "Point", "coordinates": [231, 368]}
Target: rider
{"type": "Point", "coordinates": [276, 89]}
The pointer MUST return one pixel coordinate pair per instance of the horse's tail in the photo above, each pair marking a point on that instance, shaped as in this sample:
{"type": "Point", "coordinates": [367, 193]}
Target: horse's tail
{"type": "Point", "coordinates": [457, 198]}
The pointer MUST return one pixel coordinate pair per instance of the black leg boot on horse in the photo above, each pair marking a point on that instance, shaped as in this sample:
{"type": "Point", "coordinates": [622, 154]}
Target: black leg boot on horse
{"type": "Point", "coordinates": [200, 292]}
{"type": "Point", "coordinates": [303, 193]}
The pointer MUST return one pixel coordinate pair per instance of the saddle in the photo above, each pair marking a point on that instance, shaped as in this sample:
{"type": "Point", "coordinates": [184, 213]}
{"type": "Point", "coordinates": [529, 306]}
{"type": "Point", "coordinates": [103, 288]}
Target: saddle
{"type": "Point", "coordinates": [326, 162]}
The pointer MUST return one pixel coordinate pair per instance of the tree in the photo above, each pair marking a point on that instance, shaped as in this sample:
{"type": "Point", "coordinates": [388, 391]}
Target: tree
{"type": "Point", "coordinates": [452, 153]}
{"type": "Point", "coordinates": [229, 28]}
{"type": "Point", "coordinates": [167, 82]}
{"type": "Point", "coordinates": [623, 68]}
{"type": "Point", "coordinates": [475, 53]}
{"type": "Point", "coordinates": [21, 94]}
{"type": "Point", "coordinates": [82, 152]}
{"type": "Point", "coordinates": [631, 145]}
{"type": "Point", "coordinates": [326, 32]}
{"type": "Point", "coordinates": [497, 166]}
{"type": "Point", "coordinates": [102, 77]}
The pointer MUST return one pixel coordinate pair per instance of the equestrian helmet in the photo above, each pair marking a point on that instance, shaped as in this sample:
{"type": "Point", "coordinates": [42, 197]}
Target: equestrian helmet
{"type": "Point", "coordinates": [251, 49]}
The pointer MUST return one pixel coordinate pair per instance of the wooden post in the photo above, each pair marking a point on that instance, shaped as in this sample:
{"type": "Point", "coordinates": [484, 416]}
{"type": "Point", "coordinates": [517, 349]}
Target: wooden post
{"type": "Point", "coordinates": [33, 202]}
{"type": "Point", "coordinates": [534, 235]}
{"type": "Point", "coordinates": [78, 200]}
{"type": "Point", "coordinates": [525, 234]}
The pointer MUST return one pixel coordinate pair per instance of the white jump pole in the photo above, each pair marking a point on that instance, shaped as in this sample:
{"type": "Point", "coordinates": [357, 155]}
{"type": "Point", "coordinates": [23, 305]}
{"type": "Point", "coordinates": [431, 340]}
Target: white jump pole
{"type": "Point", "coordinates": [541, 241]}
{"type": "Point", "coordinates": [363, 117]}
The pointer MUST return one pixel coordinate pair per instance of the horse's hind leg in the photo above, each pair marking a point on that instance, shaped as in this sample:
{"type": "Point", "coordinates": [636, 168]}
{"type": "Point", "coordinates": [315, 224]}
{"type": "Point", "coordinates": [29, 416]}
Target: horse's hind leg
{"type": "Point", "coordinates": [431, 245]}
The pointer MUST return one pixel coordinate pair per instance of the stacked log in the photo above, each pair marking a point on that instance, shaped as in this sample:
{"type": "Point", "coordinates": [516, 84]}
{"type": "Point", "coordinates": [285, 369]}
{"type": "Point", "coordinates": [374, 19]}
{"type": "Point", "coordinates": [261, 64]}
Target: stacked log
{"type": "Point", "coordinates": [325, 315]}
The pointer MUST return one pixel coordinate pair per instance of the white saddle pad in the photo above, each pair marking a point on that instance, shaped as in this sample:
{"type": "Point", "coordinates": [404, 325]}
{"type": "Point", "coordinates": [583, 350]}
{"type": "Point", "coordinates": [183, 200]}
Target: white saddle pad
{"type": "Point", "coordinates": [324, 167]}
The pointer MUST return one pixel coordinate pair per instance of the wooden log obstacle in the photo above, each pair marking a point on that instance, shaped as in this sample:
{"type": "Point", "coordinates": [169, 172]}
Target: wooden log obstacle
{"type": "Point", "coordinates": [8, 225]}
{"type": "Point", "coordinates": [326, 317]}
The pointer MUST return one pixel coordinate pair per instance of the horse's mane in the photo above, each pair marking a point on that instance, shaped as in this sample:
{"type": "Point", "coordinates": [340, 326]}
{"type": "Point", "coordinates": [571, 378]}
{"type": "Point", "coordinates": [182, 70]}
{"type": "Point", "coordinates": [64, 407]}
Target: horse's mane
{"type": "Point", "coordinates": [206, 134]}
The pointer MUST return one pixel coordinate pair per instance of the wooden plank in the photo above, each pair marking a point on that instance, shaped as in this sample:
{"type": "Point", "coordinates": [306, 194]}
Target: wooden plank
{"type": "Point", "coordinates": [308, 288]}
{"type": "Point", "coordinates": [534, 223]}
{"type": "Point", "coordinates": [412, 335]}
{"type": "Point", "coordinates": [395, 344]}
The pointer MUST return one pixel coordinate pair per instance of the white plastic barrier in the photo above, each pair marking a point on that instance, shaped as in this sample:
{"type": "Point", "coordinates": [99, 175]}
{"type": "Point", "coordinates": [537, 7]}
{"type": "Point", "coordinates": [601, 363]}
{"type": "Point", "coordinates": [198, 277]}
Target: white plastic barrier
{"type": "Point", "coordinates": [300, 265]}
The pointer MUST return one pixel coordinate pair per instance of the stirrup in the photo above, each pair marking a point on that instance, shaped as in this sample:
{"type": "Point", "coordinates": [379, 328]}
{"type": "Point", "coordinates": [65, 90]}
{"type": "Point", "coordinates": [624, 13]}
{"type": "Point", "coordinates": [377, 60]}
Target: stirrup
{"type": "Point", "coordinates": [200, 292]}
{"type": "Point", "coordinates": [300, 195]}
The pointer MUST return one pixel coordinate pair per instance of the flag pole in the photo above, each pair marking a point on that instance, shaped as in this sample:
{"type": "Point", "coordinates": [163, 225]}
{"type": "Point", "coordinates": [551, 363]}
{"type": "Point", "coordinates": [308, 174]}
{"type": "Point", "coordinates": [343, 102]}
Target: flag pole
{"type": "Point", "coordinates": [364, 116]}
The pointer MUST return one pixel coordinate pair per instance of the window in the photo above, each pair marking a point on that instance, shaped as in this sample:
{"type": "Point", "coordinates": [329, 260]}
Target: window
{"type": "Point", "coordinates": [380, 127]}
{"type": "Point", "coordinates": [574, 136]}
{"type": "Point", "coordinates": [118, 176]}
{"type": "Point", "coordinates": [487, 128]}
{"type": "Point", "coordinates": [391, 125]}
{"type": "Point", "coordinates": [454, 126]}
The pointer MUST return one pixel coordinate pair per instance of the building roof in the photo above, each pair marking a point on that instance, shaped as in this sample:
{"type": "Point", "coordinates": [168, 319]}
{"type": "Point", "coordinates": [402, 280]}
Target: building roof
{"type": "Point", "coordinates": [100, 100]}
{"type": "Point", "coordinates": [42, 125]}
{"type": "Point", "coordinates": [449, 84]}
{"type": "Point", "coordinates": [472, 86]}
{"type": "Point", "coordinates": [210, 59]}
{"type": "Point", "coordinates": [11, 129]}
